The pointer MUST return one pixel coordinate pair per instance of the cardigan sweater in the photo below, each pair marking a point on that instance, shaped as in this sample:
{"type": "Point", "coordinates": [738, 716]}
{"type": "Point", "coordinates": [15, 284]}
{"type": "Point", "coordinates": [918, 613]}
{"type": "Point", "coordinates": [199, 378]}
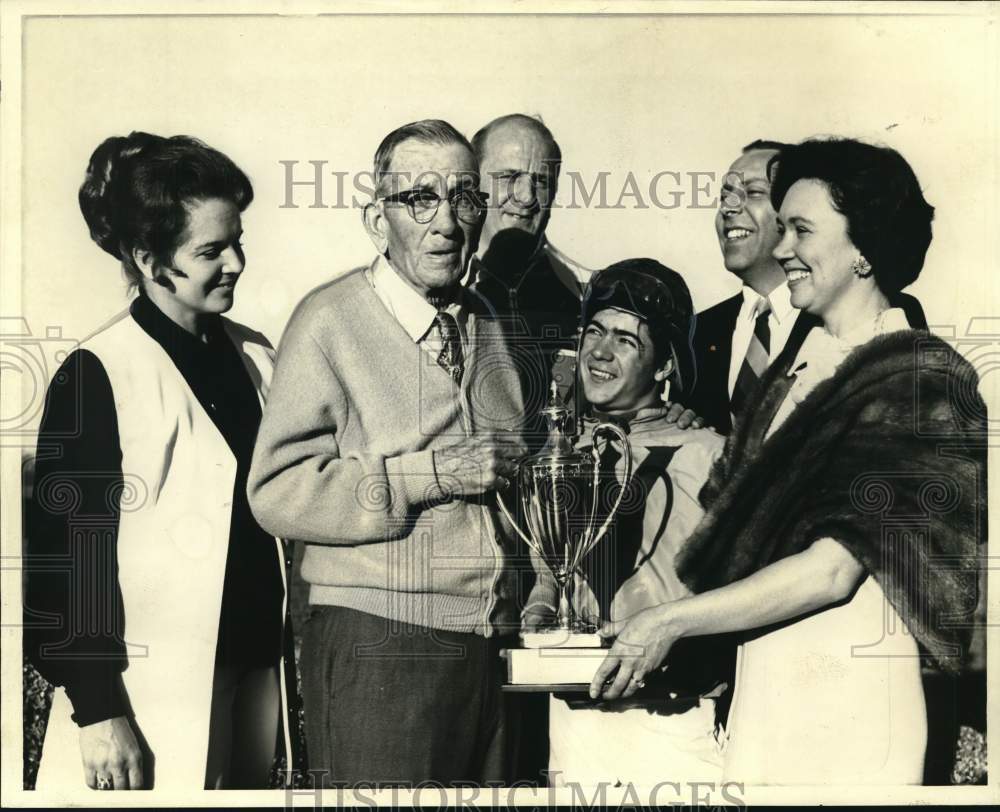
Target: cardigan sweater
{"type": "Point", "coordinates": [345, 462]}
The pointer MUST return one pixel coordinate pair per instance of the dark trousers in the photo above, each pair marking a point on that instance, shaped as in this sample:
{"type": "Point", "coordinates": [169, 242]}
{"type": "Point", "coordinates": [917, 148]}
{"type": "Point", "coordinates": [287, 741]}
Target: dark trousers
{"type": "Point", "coordinates": [392, 703]}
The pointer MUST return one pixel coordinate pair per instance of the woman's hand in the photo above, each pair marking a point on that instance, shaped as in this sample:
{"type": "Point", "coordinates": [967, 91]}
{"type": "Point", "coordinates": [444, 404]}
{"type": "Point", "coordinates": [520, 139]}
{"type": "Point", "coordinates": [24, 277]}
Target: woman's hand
{"type": "Point", "coordinates": [823, 574]}
{"type": "Point", "coordinates": [111, 754]}
{"type": "Point", "coordinates": [640, 647]}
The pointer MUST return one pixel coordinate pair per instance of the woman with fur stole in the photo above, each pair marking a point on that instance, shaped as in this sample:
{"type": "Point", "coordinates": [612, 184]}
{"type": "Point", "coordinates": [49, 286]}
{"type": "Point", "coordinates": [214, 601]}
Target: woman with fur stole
{"type": "Point", "coordinates": [843, 518]}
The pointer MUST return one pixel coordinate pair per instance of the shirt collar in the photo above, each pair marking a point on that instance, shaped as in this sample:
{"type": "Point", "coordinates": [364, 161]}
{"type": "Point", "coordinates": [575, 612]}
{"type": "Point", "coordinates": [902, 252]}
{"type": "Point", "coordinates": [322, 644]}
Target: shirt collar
{"type": "Point", "coordinates": [626, 420]}
{"type": "Point", "coordinates": [413, 312]}
{"type": "Point", "coordinates": [780, 298]}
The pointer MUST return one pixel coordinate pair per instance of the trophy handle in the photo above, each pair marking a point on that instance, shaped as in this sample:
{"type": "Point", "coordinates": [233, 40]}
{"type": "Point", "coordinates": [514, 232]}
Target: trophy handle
{"type": "Point", "coordinates": [588, 532]}
{"type": "Point", "coordinates": [626, 479]}
{"type": "Point", "coordinates": [524, 537]}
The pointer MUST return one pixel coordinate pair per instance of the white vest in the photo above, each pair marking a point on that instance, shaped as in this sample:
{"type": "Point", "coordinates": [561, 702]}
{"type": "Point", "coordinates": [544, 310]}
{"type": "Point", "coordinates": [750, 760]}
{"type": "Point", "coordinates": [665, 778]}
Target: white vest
{"type": "Point", "coordinates": [173, 540]}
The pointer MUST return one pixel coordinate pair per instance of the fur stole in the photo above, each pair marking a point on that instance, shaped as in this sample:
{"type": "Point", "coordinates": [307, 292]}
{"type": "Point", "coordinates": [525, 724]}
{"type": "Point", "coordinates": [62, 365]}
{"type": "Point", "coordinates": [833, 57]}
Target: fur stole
{"type": "Point", "coordinates": [888, 457]}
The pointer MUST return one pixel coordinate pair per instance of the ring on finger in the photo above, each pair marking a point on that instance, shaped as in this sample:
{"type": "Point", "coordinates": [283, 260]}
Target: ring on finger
{"type": "Point", "coordinates": [639, 682]}
{"type": "Point", "coordinates": [104, 782]}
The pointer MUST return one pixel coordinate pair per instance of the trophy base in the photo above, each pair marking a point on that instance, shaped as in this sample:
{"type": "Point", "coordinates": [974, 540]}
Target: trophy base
{"type": "Point", "coordinates": [561, 638]}
{"type": "Point", "coordinates": [554, 668]}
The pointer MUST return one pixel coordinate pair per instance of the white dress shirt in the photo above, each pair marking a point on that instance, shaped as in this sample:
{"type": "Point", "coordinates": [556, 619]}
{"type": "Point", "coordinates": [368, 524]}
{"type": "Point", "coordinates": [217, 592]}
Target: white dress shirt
{"type": "Point", "coordinates": [780, 321]}
{"type": "Point", "coordinates": [413, 312]}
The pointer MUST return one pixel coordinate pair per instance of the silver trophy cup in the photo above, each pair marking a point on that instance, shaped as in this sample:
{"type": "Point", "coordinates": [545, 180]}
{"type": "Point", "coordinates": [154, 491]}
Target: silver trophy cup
{"type": "Point", "coordinates": [559, 500]}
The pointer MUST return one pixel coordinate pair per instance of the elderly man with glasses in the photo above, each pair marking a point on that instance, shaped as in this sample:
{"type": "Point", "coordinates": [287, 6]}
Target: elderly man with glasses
{"type": "Point", "coordinates": [392, 418]}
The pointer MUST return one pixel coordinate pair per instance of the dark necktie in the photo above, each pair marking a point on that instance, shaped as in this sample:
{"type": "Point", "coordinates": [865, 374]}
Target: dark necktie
{"type": "Point", "coordinates": [450, 357]}
{"type": "Point", "coordinates": [756, 360]}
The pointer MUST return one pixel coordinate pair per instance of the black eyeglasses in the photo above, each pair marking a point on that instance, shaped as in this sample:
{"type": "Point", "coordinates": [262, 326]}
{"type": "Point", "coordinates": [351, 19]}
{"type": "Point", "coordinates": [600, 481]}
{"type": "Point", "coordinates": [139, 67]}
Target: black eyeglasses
{"type": "Point", "coordinates": [422, 204]}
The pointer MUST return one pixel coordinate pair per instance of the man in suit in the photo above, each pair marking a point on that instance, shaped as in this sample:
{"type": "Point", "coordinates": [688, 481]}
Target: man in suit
{"type": "Point", "coordinates": [737, 339]}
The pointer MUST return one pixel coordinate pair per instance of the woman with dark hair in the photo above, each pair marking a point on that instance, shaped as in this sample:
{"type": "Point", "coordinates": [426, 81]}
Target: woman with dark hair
{"type": "Point", "coordinates": [843, 518]}
{"type": "Point", "coordinates": [166, 637]}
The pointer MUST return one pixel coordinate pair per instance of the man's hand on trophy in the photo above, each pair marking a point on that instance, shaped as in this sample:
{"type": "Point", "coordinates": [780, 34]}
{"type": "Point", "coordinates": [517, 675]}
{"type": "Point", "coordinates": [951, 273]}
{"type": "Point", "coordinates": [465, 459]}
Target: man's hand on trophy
{"type": "Point", "coordinates": [483, 462]}
{"type": "Point", "coordinates": [684, 418]}
{"type": "Point", "coordinates": [641, 646]}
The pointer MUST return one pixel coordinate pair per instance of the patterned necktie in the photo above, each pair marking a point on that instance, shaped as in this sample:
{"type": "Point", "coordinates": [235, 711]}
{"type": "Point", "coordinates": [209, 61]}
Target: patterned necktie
{"type": "Point", "coordinates": [450, 357]}
{"type": "Point", "coordinates": [756, 360]}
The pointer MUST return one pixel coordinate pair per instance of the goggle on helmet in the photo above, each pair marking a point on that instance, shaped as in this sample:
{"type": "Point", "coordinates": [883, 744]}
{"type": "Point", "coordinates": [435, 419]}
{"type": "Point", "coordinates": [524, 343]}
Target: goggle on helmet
{"type": "Point", "coordinates": [658, 296]}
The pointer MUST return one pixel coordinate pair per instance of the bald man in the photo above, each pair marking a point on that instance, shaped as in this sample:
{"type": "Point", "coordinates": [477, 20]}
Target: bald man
{"type": "Point", "coordinates": [531, 284]}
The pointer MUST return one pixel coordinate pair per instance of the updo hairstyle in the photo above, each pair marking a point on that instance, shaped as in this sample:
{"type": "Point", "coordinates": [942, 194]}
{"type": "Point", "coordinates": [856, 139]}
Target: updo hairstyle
{"type": "Point", "coordinates": [136, 190]}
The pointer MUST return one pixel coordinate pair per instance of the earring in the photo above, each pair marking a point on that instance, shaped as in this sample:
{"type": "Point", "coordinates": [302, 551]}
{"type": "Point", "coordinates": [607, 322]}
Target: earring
{"type": "Point", "coordinates": [862, 267]}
